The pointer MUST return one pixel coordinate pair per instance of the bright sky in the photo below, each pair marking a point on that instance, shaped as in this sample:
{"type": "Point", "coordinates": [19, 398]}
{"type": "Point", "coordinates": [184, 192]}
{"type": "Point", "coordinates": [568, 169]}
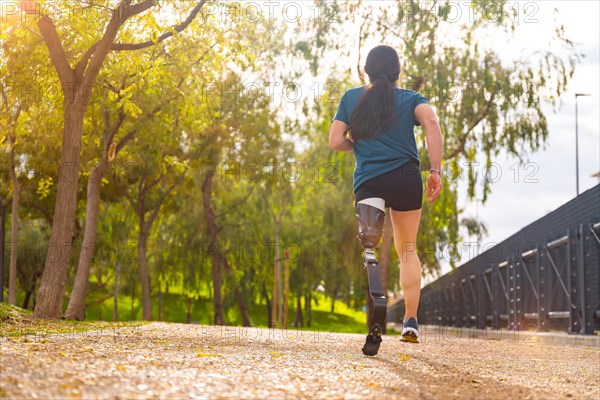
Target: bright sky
{"type": "Point", "coordinates": [526, 193]}
{"type": "Point", "coordinates": [515, 203]}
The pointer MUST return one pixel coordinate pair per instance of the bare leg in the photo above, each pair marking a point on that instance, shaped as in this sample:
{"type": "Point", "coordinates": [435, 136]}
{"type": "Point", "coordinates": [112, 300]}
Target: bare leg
{"type": "Point", "coordinates": [406, 226]}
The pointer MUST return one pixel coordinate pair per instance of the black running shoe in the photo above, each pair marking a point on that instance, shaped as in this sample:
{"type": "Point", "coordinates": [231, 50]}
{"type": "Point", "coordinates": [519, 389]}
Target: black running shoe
{"type": "Point", "coordinates": [373, 342]}
{"type": "Point", "coordinates": [410, 331]}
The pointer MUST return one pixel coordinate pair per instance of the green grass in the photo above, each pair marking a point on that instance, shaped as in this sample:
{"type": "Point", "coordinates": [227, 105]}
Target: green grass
{"type": "Point", "coordinates": [344, 319]}
{"type": "Point", "coordinates": [9, 311]}
{"type": "Point", "coordinates": [15, 322]}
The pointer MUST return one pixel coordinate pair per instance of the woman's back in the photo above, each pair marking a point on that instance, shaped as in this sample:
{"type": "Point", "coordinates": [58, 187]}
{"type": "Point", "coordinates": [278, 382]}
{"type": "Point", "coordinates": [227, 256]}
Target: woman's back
{"type": "Point", "coordinates": [390, 148]}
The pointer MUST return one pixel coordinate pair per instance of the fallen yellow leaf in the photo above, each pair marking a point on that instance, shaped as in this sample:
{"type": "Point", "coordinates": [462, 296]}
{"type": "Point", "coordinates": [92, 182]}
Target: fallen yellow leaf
{"type": "Point", "coordinates": [201, 354]}
{"type": "Point", "coordinates": [404, 357]}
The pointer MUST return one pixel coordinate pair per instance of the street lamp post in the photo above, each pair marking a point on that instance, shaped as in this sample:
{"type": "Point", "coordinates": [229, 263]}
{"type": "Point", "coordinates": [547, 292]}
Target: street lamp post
{"type": "Point", "coordinates": [2, 224]}
{"type": "Point", "coordinates": [577, 141]}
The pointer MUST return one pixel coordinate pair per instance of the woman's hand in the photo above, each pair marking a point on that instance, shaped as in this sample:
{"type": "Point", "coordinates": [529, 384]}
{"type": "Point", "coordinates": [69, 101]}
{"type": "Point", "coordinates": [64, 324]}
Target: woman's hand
{"type": "Point", "coordinates": [348, 136]}
{"type": "Point", "coordinates": [434, 186]}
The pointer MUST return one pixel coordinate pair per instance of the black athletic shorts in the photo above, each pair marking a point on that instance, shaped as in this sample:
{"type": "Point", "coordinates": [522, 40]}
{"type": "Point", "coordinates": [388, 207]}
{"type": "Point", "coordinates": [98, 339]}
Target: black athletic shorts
{"type": "Point", "coordinates": [401, 188]}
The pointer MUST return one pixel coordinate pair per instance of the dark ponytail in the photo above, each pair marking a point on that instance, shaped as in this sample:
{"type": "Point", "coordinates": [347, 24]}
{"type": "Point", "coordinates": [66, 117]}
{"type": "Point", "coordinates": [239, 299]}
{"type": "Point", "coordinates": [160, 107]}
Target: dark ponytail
{"type": "Point", "coordinates": [375, 110]}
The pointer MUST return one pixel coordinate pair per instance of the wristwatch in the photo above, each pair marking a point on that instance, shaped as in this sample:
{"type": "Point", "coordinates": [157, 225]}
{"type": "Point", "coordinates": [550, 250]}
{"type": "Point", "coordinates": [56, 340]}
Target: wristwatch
{"type": "Point", "coordinates": [434, 170]}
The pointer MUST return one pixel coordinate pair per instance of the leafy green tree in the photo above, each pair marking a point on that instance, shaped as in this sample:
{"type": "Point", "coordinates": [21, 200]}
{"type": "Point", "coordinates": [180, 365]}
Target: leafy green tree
{"type": "Point", "coordinates": [484, 105]}
{"type": "Point", "coordinates": [162, 166]}
{"type": "Point", "coordinates": [25, 106]}
{"type": "Point", "coordinates": [76, 84]}
{"type": "Point", "coordinates": [135, 102]}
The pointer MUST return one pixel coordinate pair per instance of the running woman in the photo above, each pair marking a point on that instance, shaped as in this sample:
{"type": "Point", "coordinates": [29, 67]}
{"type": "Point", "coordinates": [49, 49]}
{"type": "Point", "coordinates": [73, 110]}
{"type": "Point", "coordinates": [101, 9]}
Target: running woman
{"type": "Point", "coordinates": [377, 121]}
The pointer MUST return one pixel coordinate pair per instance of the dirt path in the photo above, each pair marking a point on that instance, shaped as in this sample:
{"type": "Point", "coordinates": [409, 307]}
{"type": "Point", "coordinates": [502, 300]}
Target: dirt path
{"type": "Point", "coordinates": [190, 361]}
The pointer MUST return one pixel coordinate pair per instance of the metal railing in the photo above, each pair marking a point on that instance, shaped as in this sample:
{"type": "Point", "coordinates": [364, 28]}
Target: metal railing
{"type": "Point", "coordinates": [544, 277]}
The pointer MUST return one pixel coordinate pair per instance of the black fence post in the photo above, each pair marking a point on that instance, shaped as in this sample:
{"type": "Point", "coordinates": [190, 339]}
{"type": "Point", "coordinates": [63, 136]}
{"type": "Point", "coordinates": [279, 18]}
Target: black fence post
{"type": "Point", "coordinates": [582, 309]}
{"type": "Point", "coordinates": [591, 297]}
{"type": "Point", "coordinates": [496, 303]}
{"type": "Point", "coordinates": [481, 300]}
{"type": "Point", "coordinates": [538, 275]}
{"type": "Point", "coordinates": [518, 292]}
{"type": "Point", "coordinates": [512, 305]}
{"type": "Point", "coordinates": [570, 300]}
{"type": "Point", "coordinates": [544, 288]}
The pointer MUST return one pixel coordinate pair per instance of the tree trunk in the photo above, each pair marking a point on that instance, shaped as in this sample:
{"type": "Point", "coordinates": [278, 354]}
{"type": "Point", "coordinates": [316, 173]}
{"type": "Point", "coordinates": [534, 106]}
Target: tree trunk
{"type": "Point", "coordinates": [30, 294]}
{"type": "Point", "coordinates": [217, 278]}
{"type": "Point", "coordinates": [239, 296]}
{"type": "Point", "coordinates": [307, 306]}
{"type": "Point", "coordinates": [14, 237]}
{"type": "Point", "coordinates": [116, 294]}
{"type": "Point", "coordinates": [189, 310]}
{"type": "Point", "coordinates": [132, 303]}
{"type": "Point", "coordinates": [269, 310]}
{"type": "Point", "coordinates": [76, 307]}
{"type": "Point", "coordinates": [2, 245]}
{"type": "Point", "coordinates": [52, 286]}
{"type": "Point", "coordinates": [279, 277]}
{"type": "Point", "coordinates": [14, 228]}
{"type": "Point", "coordinates": [34, 299]}
{"type": "Point", "coordinates": [218, 258]}
{"type": "Point", "coordinates": [275, 295]}
{"type": "Point", "coordinates": [144, 229]}
{"type": "Point", "coordinates": [286, 292]}
{"type": "Point", "coordinates": [144, 273]}
{"type": "Point", "coordinates": [334, 295]}
{"type": "Point", "coordinates": [160, 298]}
{"type": "Point", "coordinates": [27, 298]}
{"type": "Point", "coordinates": [298, 319]}
{"type": "Point", "coordinates": [239, 293]}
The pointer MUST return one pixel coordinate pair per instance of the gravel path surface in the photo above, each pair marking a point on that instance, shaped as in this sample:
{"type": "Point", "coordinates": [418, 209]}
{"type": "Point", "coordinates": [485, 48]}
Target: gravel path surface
{"type": "Point", "coordinates": [180, 361]}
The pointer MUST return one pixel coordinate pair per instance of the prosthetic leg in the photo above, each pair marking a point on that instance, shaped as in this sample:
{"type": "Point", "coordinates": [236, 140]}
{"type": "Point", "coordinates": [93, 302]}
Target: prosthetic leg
{"type": "Point", "coordinates": [371, 214]}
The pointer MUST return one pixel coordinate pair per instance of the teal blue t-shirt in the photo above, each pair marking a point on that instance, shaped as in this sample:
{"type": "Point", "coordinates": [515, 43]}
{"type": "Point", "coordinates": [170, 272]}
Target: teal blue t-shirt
{"type": "Point", "coordinates": [391, 148]}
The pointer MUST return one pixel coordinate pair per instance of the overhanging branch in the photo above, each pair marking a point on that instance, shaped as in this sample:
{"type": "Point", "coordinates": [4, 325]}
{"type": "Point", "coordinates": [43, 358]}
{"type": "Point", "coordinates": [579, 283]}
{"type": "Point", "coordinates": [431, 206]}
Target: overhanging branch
{"type": "Point", "coordinates": [462, 141]}
{"type": "Point", "coordinates": [148, 43]}
{"type": "Point", "coordinates": [57, 52]}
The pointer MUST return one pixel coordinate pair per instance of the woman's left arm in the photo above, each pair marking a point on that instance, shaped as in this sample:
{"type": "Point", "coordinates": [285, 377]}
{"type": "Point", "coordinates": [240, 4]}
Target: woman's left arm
{"type": "Point", "coordinates": [337, 140]}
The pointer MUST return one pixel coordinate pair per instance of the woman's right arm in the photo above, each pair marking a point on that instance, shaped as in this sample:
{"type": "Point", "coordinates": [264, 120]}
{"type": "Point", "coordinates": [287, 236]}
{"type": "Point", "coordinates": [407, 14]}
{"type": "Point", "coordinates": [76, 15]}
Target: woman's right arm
{"type": "Point", "coordinates": [337, 140]}
{"type": "Point", "coordinates": [425, 115]}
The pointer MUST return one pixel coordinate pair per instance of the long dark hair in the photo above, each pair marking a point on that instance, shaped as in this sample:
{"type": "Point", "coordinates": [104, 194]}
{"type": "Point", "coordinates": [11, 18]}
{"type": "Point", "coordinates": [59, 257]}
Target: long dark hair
{"type": "Point", "coordinates": [375, 109]}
